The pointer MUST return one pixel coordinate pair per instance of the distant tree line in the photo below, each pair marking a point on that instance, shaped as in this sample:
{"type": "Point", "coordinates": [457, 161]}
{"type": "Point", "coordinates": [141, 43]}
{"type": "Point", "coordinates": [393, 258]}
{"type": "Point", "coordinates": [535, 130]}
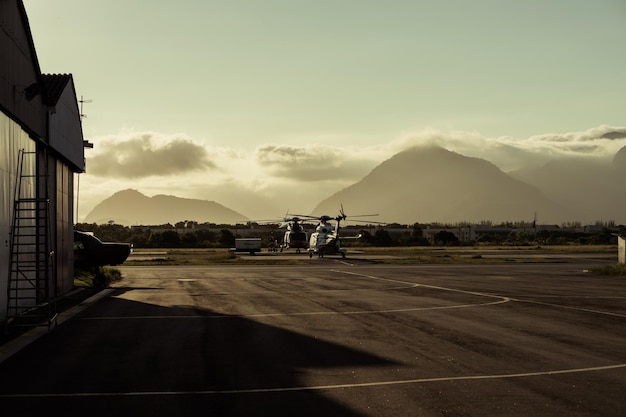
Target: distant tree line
{"type": "Point", "coordinates": [163, 236]}
{"type": "Point", "coordinates": [193, 235]}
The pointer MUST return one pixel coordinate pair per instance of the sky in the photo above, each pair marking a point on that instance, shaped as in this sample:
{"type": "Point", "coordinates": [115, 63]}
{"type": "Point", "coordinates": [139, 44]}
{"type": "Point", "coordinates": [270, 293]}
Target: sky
{"type": "Point", "coordinates": [266, 106]}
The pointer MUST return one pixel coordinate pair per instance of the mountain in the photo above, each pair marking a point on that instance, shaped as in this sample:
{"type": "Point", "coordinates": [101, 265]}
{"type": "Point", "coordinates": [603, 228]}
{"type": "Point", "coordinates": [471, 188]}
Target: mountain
{"type": "Point", "coordinates": [619, 161]}
{"type": "Point", "coordinates": [130, 207]}
{"type": "Point", "coordinates": [431, 184]}
{"type": "Point", "coordinates": [594, 187]}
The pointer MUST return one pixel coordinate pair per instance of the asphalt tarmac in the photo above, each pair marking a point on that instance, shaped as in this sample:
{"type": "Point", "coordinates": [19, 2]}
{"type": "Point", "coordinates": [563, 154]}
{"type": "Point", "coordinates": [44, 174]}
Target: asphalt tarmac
{"type": "Point", "coordinates": [334, 338]}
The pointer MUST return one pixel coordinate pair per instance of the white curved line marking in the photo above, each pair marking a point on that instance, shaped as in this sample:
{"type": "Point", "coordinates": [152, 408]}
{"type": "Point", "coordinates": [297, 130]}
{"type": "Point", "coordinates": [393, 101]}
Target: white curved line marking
{"type": "Point", "coordinates": [321, 387]}
{"type": "Point", "coordinates": [503, 298]}
{"type": "Point", "coordinates": [480, 294]}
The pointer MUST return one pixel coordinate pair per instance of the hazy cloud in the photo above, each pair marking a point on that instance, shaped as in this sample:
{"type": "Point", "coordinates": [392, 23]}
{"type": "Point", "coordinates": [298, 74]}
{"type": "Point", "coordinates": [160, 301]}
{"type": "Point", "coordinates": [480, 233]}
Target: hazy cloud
{"type": "Point", "coordinates": [146, 154]}
{"type": "Point", "coordinates": [313, 162]}
{"type": "Point", "coordinates": [510, 153]}
{"type": "Point", "coordinates": [614, 134]}
{"type": "Point", "coordinates": [605, 139]}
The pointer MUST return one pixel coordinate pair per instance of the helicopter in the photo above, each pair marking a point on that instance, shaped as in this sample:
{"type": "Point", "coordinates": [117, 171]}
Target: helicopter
{"type": "Point", "coordinates": [325, 240]}
{"type": "Point", "coordinates": [295, 236]}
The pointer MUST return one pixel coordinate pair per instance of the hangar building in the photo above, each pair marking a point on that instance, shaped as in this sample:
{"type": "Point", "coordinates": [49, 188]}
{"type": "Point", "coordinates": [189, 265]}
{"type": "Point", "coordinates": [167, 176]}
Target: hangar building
{"type": "Point", "coordinates": [41, 148]}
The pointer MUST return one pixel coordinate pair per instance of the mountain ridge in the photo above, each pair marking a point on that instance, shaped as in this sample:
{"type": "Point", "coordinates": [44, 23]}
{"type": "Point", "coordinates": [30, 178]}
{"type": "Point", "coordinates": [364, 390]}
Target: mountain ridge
{"type": "Point", "coordinates": [130, 207]}
{"type": "Point", "coordinates": [432, 184]}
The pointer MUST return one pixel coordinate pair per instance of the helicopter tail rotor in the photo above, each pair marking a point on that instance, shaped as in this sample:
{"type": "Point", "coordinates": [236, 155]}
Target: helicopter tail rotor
{"type": "Point", "coordinates": [343, 216]}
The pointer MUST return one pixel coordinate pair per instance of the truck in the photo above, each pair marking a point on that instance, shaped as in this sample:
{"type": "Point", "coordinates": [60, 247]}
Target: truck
{"type": "Point", "coordinates": [250, 245]}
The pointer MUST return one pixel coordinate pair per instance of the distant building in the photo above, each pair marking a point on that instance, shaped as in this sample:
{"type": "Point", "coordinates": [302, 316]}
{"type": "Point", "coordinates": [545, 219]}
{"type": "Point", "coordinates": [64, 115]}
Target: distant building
{"type": "Point", "coordinates": [41, 148]}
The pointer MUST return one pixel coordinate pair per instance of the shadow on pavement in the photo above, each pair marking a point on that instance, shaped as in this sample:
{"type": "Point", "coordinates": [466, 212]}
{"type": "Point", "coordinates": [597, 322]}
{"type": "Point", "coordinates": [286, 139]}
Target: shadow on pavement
{"type": "Point", "coordinates": [122, 357]}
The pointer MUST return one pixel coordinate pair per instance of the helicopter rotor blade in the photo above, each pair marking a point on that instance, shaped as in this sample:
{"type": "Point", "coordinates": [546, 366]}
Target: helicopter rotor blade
{"type": "Point", "coordinates": [363, 215]}
{"type": "Point", "coordinates": [366, 221]}
{"type": "Point", "coordinates": [306, 216]}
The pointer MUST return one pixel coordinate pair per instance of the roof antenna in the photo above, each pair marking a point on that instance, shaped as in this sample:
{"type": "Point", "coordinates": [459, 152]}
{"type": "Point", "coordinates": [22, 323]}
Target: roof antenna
{"type": "Point", "coordinates": [81, 101]}
{"type": "Point", "coordinates": [86, 144]}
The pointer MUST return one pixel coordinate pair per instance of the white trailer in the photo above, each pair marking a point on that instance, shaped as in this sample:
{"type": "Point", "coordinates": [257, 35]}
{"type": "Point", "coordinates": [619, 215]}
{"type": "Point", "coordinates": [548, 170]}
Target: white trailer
{"type": "Point", "coordinates": [250, 245]}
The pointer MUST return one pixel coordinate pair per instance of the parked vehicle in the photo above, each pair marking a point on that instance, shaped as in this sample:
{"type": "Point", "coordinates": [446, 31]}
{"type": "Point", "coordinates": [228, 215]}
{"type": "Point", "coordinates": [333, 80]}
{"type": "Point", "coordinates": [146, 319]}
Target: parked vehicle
{"type": "Point", "coordinates": [251, 245]}
{"type": "Point", "coordinates": [91, 252]}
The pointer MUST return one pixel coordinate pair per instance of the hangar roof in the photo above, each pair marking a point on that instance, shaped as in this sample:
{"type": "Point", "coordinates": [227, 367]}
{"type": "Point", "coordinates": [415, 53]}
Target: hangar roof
{"type": "Point", "coordinates": [54, 84]}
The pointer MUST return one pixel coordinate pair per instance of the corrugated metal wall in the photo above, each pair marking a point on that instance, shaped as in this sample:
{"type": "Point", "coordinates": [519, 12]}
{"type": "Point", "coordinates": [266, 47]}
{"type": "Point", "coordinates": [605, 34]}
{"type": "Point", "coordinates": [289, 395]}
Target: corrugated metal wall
{"type": "Point", "coordinates": [12, 139]}
{"type": "Point", "coordinates": [23, 125]}
{"type": "Point", "coordinates": [62, 205]}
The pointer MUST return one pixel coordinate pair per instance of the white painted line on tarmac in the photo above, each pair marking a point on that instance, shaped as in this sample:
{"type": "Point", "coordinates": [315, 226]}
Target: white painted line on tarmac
{"type": "Point", "coordinates": [584, 310]}
{"type": "Point", "coordinates": [321, 387]}
{"type": "Point", "coordinates": [480, 294]}
{"type": "Point", "coordinates": [272, 291]}
{"type": "Point", "coordinates": [404, 284]}
{"type": "Point", "coordinates": [309, 313]}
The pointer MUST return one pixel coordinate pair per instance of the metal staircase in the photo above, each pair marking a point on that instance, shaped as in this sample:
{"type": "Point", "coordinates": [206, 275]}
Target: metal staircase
{"type": "Point", "coordinates": [31, 290]}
